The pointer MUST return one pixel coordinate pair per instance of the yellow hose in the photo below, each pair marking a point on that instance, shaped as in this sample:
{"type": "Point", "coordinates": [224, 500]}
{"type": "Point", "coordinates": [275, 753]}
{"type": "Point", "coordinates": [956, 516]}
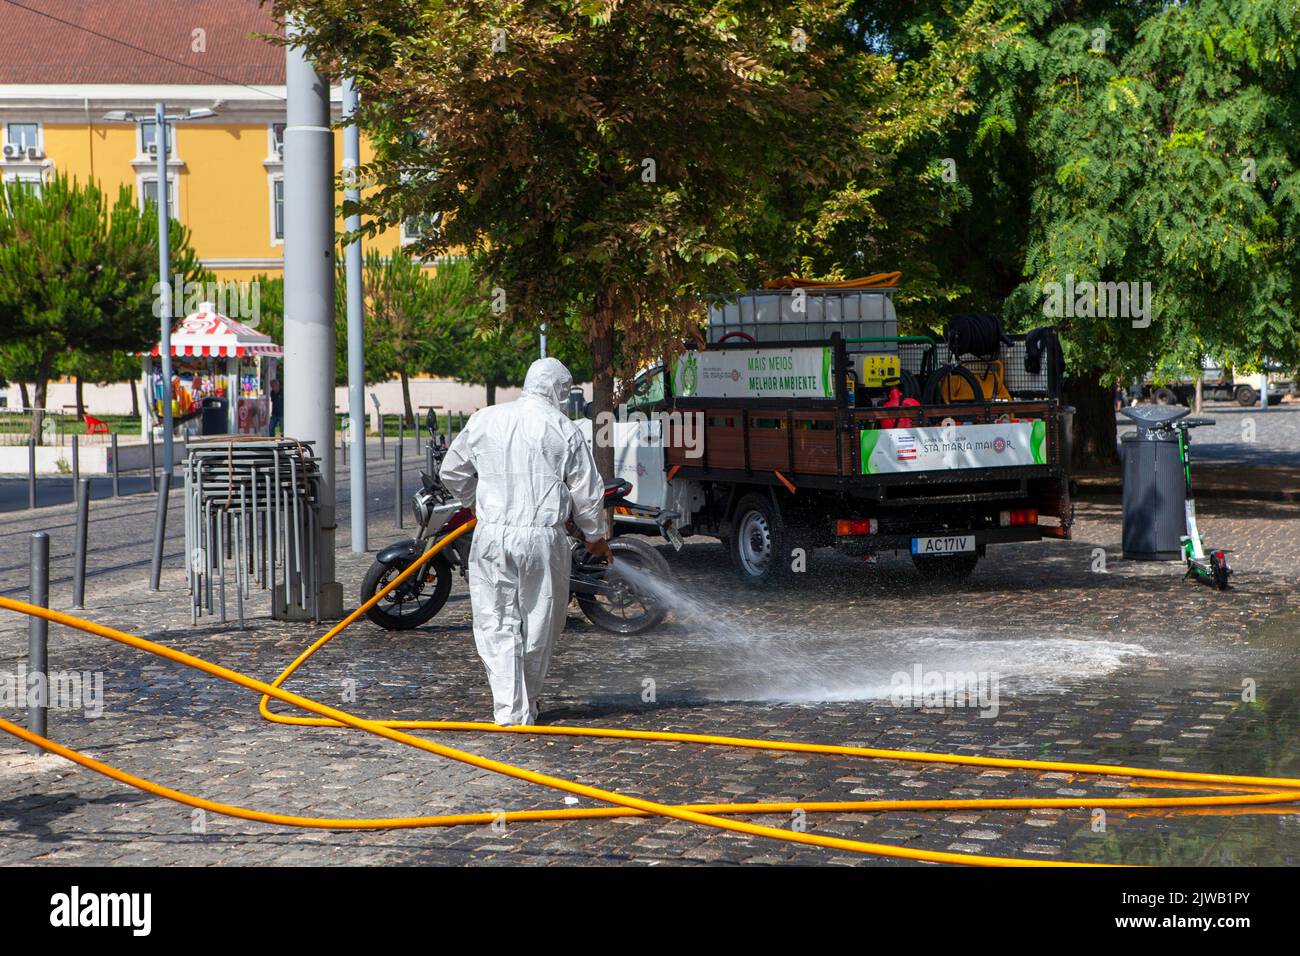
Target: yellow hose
{"type": "Point", "coordinates": [1285, 790]}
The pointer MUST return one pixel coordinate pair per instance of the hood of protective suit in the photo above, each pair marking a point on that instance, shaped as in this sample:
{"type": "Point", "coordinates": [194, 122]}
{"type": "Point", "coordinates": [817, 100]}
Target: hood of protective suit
{"type": "Point", "coordinates": [548, 379]}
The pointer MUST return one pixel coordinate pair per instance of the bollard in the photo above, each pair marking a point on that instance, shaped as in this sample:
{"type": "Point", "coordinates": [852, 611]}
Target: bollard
{"type": "Point", "coordinates": [153, 460]}
{"type": "Point", "coordinates": [79, 552]}
{"type": "Point", "coordinates": [38, 630]}
{"type": "Point", "coordinates": [76, 467]}
{"type": "Point", "coordinates": [397, 484]}
{"type": "Point", "coordinates": [31, 472]}
{"type": "Point", "coordinates": [159, 530]}
{"type": "Point", "coordinates": [117, 492]}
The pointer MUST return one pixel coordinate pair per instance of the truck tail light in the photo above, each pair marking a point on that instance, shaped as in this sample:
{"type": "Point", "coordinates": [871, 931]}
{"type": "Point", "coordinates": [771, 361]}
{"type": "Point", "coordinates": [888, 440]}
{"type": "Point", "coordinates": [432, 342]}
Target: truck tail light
{"type": "Point", "coordinates": [1020, 516]}
{"type": "Point", "coordinates": [851, 526]}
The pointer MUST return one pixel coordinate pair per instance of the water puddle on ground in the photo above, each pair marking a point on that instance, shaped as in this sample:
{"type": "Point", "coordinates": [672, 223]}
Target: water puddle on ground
{"type": "Point", "coordinates": [876, 665]}
{"type": "Point", "coordinates": [752, 661]}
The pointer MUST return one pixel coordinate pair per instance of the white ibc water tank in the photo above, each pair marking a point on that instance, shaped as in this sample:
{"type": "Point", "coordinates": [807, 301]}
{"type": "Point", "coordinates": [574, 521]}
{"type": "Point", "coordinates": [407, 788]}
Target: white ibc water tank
{"type": "Point", "coordinates": [772, 315]}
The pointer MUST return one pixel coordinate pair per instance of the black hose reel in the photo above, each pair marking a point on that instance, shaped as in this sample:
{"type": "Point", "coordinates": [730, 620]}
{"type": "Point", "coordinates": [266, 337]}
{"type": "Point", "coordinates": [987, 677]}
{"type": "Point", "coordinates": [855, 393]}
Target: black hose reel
{"type": "Point", "coordinates": [975, 334]}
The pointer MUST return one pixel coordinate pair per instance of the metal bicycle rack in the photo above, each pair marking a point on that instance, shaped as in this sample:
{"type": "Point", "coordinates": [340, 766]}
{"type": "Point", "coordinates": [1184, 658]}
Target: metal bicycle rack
{"type": "Point", "coordinates": [253, 502]}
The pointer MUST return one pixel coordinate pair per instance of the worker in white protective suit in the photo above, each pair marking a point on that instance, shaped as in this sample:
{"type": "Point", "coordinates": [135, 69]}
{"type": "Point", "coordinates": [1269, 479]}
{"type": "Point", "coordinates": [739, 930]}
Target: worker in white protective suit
{"type": "Point", "coordinates": [525, 470]}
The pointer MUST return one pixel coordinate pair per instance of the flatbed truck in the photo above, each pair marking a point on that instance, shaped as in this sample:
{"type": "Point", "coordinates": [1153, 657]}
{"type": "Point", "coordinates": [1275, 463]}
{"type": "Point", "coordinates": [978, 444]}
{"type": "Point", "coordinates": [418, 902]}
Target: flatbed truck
{"type": "Point", "coordinates": [779, 447]}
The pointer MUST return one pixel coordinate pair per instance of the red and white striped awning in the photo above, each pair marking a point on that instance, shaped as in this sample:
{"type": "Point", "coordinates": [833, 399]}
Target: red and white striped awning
{"type": "Point", "coordinates": [208, 332]}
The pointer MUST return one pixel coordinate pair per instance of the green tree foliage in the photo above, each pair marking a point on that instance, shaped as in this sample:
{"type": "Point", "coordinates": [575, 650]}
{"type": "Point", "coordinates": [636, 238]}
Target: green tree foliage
{"type": "Point", "coordinates": [79, 275]}
{"type": "Point", "coordinates": [1139, 143]}
{"type": "Point", "coordinates": [898, 213]}
{"type": "Point", "coordinates": [427, 320]}
{"type": "Point", "coordinates": [401, 333]}
{"type": "Point", "coordinates": [18, 365]}
{"type": "Point", "coordinates": [614, 160]}
{"type": "Point", "coordinates": [471, 343]}
{"type": "Point", "coordinates": [478, 346]}
{"type": "Point", "coordinates": [1074, 141]}
{"type": "Point", "coordinates": [270, 291]}
{"type": "Point", "coordinates": [101, 368]}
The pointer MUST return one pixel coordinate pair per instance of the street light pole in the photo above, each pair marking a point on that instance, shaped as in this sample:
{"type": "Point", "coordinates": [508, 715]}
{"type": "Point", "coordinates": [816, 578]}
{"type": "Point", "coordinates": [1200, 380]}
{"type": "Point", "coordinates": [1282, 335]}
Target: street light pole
{"type": "Point", "coordinates": [164, 275]}
{"type": "Point", "coordinates": [356, 323]}
{"type": "Point", "coordinates": [309, 256]}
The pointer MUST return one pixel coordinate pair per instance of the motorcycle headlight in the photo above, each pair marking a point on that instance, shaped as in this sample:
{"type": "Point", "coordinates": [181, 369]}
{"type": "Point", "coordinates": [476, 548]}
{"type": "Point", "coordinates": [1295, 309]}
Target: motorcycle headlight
{"type": "Point", "coordinates": [420, 505]}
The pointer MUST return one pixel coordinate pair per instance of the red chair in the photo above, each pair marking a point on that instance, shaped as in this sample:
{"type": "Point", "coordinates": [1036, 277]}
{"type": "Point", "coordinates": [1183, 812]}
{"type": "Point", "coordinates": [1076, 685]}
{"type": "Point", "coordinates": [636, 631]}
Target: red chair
{"type": "Point", "coordinates": [95, 426]}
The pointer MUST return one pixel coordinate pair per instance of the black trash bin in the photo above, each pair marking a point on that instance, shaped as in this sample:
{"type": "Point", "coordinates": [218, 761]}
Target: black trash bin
{"type": "Point", "coordinates": [1155, 493]}
{"type": "Point", "coordinates": [214, 420]}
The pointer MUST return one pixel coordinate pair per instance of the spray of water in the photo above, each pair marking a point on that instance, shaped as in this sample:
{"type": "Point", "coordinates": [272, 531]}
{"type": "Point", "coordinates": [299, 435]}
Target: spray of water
{"type": "Point", "coordinates": [685, 607]}
{"type": "Point", "coordinates": [863, 662]}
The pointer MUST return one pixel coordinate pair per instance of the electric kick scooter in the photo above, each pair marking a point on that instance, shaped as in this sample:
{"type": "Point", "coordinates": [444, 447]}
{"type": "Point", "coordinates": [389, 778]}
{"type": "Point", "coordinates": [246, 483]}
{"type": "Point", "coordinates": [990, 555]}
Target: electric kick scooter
{"type": "Point", "coordinates": [1209, 568]}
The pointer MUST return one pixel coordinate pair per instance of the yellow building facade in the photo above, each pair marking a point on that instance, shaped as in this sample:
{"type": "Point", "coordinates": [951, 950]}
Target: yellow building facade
{"type": "Point", "coordinates": [67, 66]}
{"type": "Point", "coordinates": [225, 172]}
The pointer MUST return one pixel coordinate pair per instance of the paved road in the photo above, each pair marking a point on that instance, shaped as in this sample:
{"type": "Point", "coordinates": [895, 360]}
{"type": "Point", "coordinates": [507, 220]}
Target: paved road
{"type": "Point", "coordinates": [58, 489]}
{"type": "Point", "coordinates": [1245, 436]}
{"type": "Point", "coordinates": [1131, 665]}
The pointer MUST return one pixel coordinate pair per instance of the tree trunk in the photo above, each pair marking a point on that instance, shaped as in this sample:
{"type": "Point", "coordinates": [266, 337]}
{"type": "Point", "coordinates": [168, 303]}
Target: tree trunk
{"type": "Point", "coordinates": [81, 403]}
{"type": "Point", "coordinates": [491, 387]}
{"type": "Point", "coordinates": [406, 399]}
{"type": "Point", "coordinates": [1200, 393]}
{"type": "Point", "coordinates": [135, 400]}
{"type": "Point", "coordinates": [39, 388]}
{"type": "Point", "coordinates": [1093, 434]}
{"type": "Point", "coordinates": [27, 399]}
{"type": "Point", "coordinates": [602, 385]}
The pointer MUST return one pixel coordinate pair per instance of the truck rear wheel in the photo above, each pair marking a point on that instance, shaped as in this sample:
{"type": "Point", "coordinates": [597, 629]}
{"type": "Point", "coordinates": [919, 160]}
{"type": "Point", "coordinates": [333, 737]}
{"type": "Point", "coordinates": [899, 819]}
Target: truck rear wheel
{"type": "Point", "coordinates": [759, 541]}
{"type": "Point", "coordinates": [1246, 396]}
{"type": "Point", "coordinates": [1164, 396]}
{"type": "Point", "coordinates": [945, 567]}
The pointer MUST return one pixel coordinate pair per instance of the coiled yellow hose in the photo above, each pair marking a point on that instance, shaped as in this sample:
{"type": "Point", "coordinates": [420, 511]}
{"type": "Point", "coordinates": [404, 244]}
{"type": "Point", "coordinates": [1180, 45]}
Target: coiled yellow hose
{"type": "Point", "coordinates": [1282, 789]}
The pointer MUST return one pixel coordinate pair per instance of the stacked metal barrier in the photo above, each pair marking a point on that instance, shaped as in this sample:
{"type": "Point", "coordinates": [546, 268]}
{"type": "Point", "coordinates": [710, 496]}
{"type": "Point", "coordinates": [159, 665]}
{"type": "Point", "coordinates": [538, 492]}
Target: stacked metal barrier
{"type": "Point", "coordinates": [255, 503]}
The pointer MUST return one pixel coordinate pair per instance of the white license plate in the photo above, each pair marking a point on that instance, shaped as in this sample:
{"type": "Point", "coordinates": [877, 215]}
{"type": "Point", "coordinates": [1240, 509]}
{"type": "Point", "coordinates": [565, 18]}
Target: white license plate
{"type": "Point", "coordinates": [951, 544]}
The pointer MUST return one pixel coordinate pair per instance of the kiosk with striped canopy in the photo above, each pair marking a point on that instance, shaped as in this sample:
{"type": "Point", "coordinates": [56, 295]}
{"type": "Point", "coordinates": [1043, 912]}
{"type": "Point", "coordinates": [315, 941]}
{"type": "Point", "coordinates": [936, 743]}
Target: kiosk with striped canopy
{"type": "Point", "coordinates": [215, 357]}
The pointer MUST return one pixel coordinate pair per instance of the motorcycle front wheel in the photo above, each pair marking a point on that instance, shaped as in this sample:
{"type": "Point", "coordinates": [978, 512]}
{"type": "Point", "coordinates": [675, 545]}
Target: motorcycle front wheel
{"type": "Point", "coordinates": [414, 601]}
{"type": "Point", "coordinates": [623, 607]}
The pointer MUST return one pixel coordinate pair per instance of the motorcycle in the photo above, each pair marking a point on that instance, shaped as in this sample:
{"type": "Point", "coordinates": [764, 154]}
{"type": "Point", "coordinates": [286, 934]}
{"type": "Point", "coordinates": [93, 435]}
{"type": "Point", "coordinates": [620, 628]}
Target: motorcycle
{"type": "Point", "coordinates": [609, 600]}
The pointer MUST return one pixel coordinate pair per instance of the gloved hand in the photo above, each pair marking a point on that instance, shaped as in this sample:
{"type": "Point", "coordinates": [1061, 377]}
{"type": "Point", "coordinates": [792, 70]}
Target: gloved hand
{"type": "Point", "coordinates": [600, 548]}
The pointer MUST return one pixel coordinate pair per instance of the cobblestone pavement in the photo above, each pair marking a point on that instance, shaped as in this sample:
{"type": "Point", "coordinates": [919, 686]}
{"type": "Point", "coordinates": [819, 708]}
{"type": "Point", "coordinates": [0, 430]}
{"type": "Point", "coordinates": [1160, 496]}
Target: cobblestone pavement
{"type": "Point", "coordinates": [1098, 660]}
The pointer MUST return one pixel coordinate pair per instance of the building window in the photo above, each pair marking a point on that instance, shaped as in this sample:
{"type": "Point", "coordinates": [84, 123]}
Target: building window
{"type": "Point", "coordinates": [148, 136]}
{"type": "Point", "coordinates": [419, 227]}
{"type": "Point", "coordinates": [23, 135]}
{"type": "Point", "coordinates": [149, 193]}
{"type": "Point", "coordinates": [277, 141]}
{"type": "Point", "coordinates": [27, 181]}
{"type": "Point", "coordinates": [277, 209]}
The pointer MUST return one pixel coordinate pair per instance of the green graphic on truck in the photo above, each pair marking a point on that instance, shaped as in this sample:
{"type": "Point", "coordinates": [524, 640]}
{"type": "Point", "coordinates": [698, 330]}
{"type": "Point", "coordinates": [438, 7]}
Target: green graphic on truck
{"type": "Point", "coordinates": [793, 372]}
{"type": "Point", "coordinates": [999, 445]}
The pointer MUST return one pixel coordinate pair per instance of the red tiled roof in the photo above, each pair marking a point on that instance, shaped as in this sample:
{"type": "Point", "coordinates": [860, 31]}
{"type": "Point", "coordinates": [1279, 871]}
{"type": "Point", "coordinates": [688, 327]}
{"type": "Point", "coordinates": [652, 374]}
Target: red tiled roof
{"type": "Point", "coordinates": [137, 41]}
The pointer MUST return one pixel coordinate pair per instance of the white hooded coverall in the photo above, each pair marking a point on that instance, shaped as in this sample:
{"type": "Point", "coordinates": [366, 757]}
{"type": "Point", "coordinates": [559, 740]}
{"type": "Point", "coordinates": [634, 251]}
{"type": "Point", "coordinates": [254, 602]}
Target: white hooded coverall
{"type": "Point", "coordinates": [524, 469]}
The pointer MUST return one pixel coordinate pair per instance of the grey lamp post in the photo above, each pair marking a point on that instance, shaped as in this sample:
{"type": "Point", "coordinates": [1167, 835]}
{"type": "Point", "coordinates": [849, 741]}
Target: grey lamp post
{"type": "Point", "coordinates": [161, 124]}
{"type": "Point", "coordinates": [309, 254]}
{"type": "Point", "coordinates": [356, 324]}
